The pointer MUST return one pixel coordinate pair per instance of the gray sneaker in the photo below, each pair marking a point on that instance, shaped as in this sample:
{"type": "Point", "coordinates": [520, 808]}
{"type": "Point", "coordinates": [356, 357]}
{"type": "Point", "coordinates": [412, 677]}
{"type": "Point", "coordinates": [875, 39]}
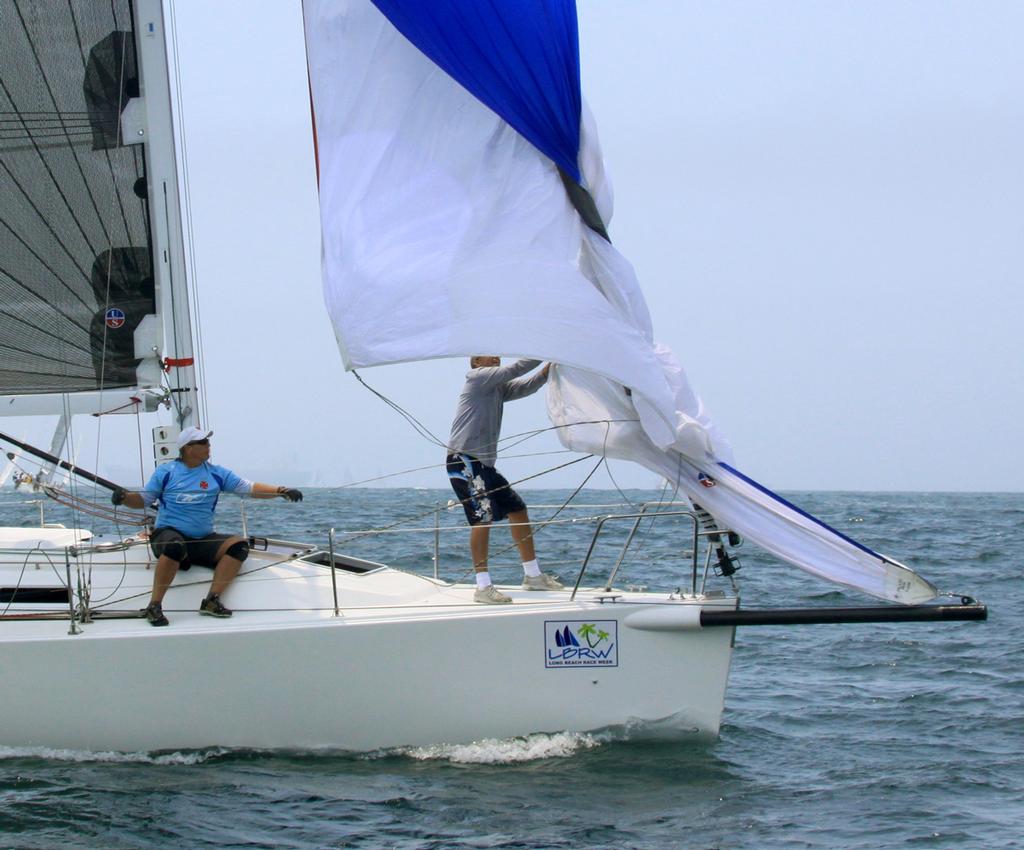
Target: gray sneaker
{"type": "Point", "coordinates": [490, 595]}
{"type": "Point", "coordinates": [154, 612]}
{"type": "Point", "coordinates": [542, 582]}
{"type": "Point", "coordinates": [213, 607]}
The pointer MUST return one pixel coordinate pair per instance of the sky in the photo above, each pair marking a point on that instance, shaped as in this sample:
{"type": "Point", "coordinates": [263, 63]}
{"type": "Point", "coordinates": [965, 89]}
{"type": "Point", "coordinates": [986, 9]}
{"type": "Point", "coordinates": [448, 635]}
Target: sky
{"type": "Point", "coordinates": [823, 202]}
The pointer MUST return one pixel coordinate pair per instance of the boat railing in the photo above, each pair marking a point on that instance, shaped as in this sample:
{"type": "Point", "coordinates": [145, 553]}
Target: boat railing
{"type": "Point", "coordinates": [611, 542]}
{"type": "Point", "coordinates": [637, 517]}
{"type": "Point", "coordinates": [613, 537]}
{"type": "Point", "coordinates": [652, 511]}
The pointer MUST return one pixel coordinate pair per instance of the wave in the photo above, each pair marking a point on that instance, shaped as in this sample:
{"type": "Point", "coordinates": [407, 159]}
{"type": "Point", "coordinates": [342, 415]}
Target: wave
{"type": "Point", "coordinates": [184, 757]}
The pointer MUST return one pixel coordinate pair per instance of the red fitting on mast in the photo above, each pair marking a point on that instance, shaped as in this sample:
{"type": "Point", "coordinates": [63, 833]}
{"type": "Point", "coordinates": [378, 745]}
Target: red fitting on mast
{"type": "Point", "coordinates": [177, 363]}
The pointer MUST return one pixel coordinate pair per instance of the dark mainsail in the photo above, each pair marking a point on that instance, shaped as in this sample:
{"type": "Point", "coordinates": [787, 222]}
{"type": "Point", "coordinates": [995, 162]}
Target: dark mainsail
{"type": "Point", "coordinates": [75, 253]}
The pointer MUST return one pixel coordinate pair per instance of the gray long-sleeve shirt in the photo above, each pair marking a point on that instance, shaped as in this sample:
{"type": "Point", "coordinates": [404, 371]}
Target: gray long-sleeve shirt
{"type": "Point", "coordinates": [477, 422]}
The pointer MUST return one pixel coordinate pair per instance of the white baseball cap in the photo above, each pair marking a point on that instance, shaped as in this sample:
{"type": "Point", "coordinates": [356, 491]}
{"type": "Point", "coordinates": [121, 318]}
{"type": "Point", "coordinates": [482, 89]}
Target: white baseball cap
{"type": "Point", "coordinates": [190, 435]}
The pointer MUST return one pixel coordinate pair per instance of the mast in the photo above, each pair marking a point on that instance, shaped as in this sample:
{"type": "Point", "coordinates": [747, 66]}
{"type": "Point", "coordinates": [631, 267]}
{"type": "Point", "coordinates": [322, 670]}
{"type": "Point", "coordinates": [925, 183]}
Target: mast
{"type": "Point", "coordinates": [162, 134]}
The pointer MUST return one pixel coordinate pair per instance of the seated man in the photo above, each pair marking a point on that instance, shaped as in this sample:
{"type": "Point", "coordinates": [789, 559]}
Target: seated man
{"type": "Point", "coordinates": [187, 490]}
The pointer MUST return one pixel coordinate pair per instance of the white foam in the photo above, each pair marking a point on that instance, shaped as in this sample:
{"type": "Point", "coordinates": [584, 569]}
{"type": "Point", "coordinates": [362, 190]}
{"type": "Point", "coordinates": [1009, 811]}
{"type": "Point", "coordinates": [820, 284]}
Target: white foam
{"type": "Point", "coordinates": [504, 750]}
{"type": "Point", "coordinates": [516, 750]}
{"type": "Point", "coordinates": [185, 758]}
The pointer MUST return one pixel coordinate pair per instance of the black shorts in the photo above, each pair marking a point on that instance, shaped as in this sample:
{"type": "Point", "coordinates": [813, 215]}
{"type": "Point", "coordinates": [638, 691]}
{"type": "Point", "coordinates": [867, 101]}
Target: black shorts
{"type": "Point", "coordinates": [202, 551]}
{"type": "Point", "coordinates": [485, 494]}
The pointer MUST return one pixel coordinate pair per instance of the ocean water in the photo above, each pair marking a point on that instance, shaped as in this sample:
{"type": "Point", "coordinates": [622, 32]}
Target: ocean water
{"type": "Point", "coordinates": [867, 736]}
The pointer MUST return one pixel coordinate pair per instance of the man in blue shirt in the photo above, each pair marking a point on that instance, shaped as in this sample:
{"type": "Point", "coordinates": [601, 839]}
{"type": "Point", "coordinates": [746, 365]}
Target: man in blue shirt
{"type": "Point", "coordinates": [187, 490]}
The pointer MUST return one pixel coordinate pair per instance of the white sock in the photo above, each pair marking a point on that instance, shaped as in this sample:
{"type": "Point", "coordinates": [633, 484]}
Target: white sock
{"type": "Point", "coordinates": [483, 579]}
{"type": "Point", "coordinates": [531, 568]}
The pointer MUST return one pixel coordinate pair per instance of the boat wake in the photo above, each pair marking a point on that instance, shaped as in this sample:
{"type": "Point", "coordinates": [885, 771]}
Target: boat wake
{"type": "Point", "coordinates": [488, 751]}
{"type": "Point", "coordinates": [503, 750]}
{"type": "Point", "coordinates": [517, 750]}
{"type": "Point", "coordinates": [540, 745]}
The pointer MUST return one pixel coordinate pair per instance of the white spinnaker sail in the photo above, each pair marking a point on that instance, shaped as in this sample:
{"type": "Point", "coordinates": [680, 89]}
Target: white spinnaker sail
{"type": "Point", "coordinates": [446, 233]}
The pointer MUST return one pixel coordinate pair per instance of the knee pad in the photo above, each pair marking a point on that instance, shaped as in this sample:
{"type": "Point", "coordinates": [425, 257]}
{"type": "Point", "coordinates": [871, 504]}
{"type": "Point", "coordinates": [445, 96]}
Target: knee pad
{"type": "Point", "coordinates": [176, 551]}
{"type": "Point", "coordinates": [239, 550]}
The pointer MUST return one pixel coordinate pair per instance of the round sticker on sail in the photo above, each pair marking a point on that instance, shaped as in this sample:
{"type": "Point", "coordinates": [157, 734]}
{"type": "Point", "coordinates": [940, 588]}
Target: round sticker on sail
{"type": "Point", "coordinates": [114, 318]}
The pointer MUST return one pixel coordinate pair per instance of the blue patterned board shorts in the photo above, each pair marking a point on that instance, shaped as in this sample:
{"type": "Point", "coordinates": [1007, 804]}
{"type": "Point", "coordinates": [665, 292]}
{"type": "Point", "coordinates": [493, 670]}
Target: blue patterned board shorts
{"type": "Point", "coordinates": [483, 491]}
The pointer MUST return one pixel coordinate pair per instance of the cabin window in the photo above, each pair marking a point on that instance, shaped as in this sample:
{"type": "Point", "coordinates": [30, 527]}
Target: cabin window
{"type": "Point", "coordinates": [37, 595]}
{"type": "Point", "coordinates": [343, 562]}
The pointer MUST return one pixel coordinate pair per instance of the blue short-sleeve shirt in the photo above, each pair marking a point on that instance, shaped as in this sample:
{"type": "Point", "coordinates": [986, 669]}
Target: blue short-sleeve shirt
{"type": "Point", "coordinates": [187, 496]}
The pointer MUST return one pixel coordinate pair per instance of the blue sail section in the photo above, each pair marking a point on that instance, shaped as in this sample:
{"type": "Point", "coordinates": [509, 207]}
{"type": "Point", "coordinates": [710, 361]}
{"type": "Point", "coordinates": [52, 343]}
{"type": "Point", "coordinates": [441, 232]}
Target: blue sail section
{"type": "Point", "coordinates": [519, 57]}
{"type": "Point", "coordinates": [773, 495]}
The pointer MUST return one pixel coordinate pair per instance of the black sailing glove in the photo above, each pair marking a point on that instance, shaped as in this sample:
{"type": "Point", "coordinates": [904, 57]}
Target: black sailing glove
{"type": "Point", "coordinates": [291, 494]}
{"type": "Point", "coordinates": [118, 496]}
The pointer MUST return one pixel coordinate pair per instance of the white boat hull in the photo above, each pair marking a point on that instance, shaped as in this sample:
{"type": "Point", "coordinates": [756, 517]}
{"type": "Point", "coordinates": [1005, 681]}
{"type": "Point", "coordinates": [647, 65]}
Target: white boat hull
{"type": "Point", "coordinates": [410, 661]}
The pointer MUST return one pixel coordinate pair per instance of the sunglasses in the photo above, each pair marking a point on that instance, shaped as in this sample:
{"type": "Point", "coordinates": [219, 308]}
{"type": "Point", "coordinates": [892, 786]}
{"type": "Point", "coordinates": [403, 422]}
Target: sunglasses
{"type": "Point", "coordinates": [205, 442]}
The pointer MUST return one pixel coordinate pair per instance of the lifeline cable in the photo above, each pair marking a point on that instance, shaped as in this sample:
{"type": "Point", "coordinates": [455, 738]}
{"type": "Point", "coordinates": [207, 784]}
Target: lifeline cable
{"type": "Point", "coordinates": [356, 535]}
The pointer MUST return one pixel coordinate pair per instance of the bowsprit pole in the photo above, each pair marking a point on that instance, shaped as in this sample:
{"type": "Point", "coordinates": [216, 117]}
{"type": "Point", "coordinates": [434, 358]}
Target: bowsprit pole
{"type": "Point", "coordinates": [969, 609]}
{"type": "Point", "coordinates": [63, 464]}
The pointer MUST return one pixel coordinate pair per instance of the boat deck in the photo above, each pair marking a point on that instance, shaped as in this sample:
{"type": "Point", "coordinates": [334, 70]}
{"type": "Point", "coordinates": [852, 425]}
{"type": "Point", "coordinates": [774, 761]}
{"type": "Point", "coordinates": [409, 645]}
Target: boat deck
{"type": "Point", "coordinates": [285, 585]}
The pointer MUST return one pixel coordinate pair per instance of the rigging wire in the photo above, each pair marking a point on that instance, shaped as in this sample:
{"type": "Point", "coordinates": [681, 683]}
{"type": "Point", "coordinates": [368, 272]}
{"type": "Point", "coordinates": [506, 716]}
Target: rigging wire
{"type": "Point", "coordinates": [96, 509]}
{"type": "Point", "coordinates": [372, 531]}
{"type": "Point", "coordinates": [526, 435]}
{"type": "Point", "coordinates": [428, 435]}
{"type": "Point", "coordinates": [440, 466]}
{"type": "Point", "coordinates": [417, 426]}
{"type": "Point", "coordinates": [425, 432]}
{"type": "Point", "coordinates": [516, 439]}
{"type": "Point", "coordinates": [641, 538]}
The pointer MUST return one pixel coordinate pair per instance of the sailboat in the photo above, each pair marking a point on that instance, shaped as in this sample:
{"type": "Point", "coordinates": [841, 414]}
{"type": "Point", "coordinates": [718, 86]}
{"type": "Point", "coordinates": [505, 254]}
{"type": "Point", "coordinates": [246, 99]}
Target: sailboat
{"type": "Point", "coordinates": [457, 163]}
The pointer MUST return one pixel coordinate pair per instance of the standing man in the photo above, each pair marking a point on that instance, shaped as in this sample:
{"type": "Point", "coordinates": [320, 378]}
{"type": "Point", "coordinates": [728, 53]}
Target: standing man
{"type": "Point", "coordinates": [484, 493]}
{"type": "Point", "coordinates": [187, 490]}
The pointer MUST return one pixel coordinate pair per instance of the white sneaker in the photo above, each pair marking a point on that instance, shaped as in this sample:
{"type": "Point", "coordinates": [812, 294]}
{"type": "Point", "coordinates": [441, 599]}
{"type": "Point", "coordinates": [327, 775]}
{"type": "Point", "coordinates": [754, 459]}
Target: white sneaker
{"type": "Point", "coordinates": [490, 595]}
{"type": "Point", "coordinates": [542, 582]}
